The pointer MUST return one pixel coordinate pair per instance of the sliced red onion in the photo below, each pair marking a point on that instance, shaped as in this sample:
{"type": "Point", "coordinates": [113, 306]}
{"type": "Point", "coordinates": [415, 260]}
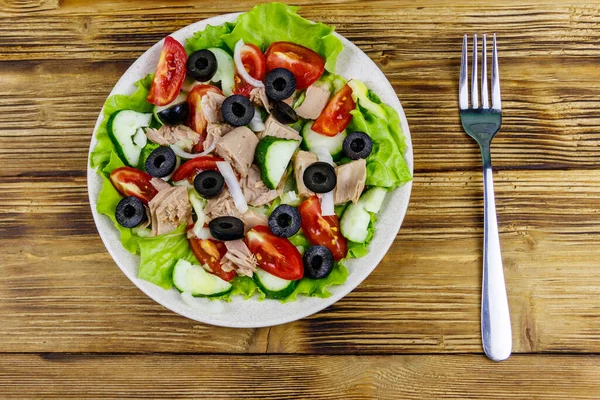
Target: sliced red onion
{"type": "Point", "coordinates": [233, 185]}
{"type": "Point", "coordinates": [188, 156]}
{"type": "Point", "coordinates": [327, 201]}
{"type": "Point", "coordinates": [239, 66]}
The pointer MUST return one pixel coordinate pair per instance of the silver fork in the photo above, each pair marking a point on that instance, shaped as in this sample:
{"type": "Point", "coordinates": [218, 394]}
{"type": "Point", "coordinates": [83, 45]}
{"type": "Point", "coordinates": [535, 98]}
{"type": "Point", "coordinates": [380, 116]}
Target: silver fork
{"type": "Point", "coordinates": [482, 124]}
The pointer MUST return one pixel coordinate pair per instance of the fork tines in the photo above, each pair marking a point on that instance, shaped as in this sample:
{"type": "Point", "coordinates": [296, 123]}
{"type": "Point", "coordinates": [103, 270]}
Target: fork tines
{"type": "Point", "coordinates": [463, 90]}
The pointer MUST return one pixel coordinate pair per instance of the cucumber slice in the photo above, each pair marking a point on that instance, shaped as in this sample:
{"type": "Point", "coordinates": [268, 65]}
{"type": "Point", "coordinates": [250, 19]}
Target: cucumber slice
{"type": "Point", "coordinates": [273, 156]}
{"type": "Point", "coordinates": [225, 71]}
{"type": "Point", "coordinates": [195, 280]}
{"type": "Point", "coordinates": [372, 199]}
{"type": "Point", "coordinates": [273, 286]}
{"type": "Point", "coordinates": [333, 144]}
{"type": "Point", "coordinates": [122, 127]}
{"type": "Point", "coordinates": [181, 98]}
{"type": "Point", "coordinates": [355, 223]}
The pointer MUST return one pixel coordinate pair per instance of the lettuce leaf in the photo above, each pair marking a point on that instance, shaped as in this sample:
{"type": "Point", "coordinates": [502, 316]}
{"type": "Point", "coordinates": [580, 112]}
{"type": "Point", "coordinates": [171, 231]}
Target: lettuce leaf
{"type": "Point", "coordinates": [137, 101]}
{"type": "Point", "coordinates": [159, 254]}
{"type": "Point", "coordinates": [107, 204]}
{"type": "Point", "coordinates": [386, 166]}
{"type": "Point", "coordinates": [278, 22]}
{"type": "Point", "coordinates": [211, 36]}
{"type": "Point", "coordinates": [318, 287]}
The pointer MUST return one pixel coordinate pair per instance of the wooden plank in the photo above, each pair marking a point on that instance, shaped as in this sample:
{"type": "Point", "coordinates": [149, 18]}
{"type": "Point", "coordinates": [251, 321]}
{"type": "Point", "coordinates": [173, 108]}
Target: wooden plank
{"type": "Point", "coordinates": [550, 119]}
{"type": "Point", "coordinates": [62, 292]}
{"type": "Point", "coordinates": [19, 7]}
{"type": "Point", "coordinates": [293, 377]}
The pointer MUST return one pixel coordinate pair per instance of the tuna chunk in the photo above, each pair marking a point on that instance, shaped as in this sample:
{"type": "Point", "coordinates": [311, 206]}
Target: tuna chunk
{"type": "Point", "coordinates": [238, 258]}
{"type": "Point", "coordinates": [221, 206]}
{"type": "Point", "coordinates": [302, 160]}
{"type": "Point", "coordinates": [350, 181]}
{"type": "Point", "coordinates": [254, 189]}
{"type": "Point", "coordinates": [211, 104]}
{"type": "Point", "coordinates": [315, 101]}
{"type": "Point", "coordinates": [180, 135]}
{"type": "Point", "coordinates": [169, 209]}
{"type": "Point", "coordinates": [214, 132]}
{"type": "Point", "coordinates": [258, 96]}
{"type": "Point", "coordinates": [279, 130]}
{"type": "Point", "coordinates": [238, 147]}
{"type": "Point", "coordinates": [252, 218]}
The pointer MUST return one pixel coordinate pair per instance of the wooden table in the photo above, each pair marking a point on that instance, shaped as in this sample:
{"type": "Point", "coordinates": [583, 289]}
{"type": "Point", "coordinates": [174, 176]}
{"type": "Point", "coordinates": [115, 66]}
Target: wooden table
{"type": "Point", "coordinates": [74, 326]}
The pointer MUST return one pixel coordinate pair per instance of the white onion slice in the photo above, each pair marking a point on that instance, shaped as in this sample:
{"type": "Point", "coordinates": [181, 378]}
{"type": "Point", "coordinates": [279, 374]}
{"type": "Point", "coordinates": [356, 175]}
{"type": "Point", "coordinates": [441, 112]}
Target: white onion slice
{"type": "Point", "coordinates": [233, 185]}
{"type": "Point", "coordinates": [202, 233]}
{"type": "Point", "coordinates": [239, 66]}
{"type": "Point", "coordinates": [257, 124]}
{"type": "Point", "coordinates": [327, 201]}
{"type": "Point", "coordinates": [188, 156]}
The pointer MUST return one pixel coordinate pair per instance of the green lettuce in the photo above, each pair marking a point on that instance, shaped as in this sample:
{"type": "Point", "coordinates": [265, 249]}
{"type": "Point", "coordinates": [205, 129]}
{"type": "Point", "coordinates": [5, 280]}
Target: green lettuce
{"type": "Point", "coordinates": [318, 287]}
{"type": "Point", "coordinates": [159, 254]}
{"type": "Point", "coordinates": [278, 22]}
{"type": "Point", "coordinates": [386, 166]}
{"type": "Point", "coordinates": [107, 204]}
{"type": "Point", "coordinates": [211, 36]}
{"type": "Point", "coordinates": [137, 101]}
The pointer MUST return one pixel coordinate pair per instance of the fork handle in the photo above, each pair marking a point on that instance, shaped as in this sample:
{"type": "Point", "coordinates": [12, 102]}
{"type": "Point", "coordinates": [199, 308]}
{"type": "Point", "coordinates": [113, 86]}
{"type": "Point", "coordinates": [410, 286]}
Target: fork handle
{"type": "Point", "coordinates": [495, 318]}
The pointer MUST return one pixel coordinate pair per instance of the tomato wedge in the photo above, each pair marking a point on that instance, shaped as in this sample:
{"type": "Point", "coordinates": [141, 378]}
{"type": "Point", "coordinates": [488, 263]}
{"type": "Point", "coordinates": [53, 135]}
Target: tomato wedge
{"type": "Point", "coordinates": [196, 119]}
{"type": "Point", "coordinates": [189, 169]}
{"type": "Point", "coordinates": [133, 182]}
{"type": "Point", "coordinates": [254, 63]}
{"type": "Point", "coordinates": [210, 252]}
{"type": "Point", "coordinates": [322, 230]}
{"type": "Point", "coordinates": [170, 73]}
{"type": "Point", "coordinates": [336, 115]}
{"type": "Point", "coordinates": [277, 256]}
{"type": "Point", "coordinates": [306, 65]}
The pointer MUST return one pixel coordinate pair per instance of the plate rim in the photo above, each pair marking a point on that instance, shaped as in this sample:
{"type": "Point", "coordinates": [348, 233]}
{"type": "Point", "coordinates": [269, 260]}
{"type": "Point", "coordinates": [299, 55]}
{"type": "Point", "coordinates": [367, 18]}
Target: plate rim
{"type": "Point", "coordinates": [192, 313]}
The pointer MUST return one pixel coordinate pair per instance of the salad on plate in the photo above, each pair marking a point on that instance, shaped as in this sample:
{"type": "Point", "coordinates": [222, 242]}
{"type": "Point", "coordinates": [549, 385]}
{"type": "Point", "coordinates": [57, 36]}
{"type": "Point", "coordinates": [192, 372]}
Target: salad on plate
{"type": "Point", "coordinates": [245, 165]}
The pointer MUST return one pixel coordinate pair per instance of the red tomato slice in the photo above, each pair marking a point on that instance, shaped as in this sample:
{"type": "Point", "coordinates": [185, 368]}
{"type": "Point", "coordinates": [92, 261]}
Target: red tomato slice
{"type": "Point", "coordinates": [336, 115]}
{"type": "Point", "coordinates": [189, 169]}
{"type": "Point", "coordinates": [170, 73]}
{"type": "Point", "coordinates": [133, 182]}
{"type": "Point", "coordinates": [306, 65]}
{"type": "Point", "coordinates": [254, 64]}
{"type": "Point", "coordinates": [277, 256]}
{"type": "Point", "coordinates": [322, 230]}
{"type": "Point", "coordinates": [210, 252]}
{"type": "Point", "coordinates": [196, 119]}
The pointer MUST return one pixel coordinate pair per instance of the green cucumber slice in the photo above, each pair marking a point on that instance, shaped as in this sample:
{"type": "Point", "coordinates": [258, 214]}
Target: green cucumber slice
{"type": "Point", "coordinates": [333, 144]}
{"type": "Point", "coordinates": [354, 223]}
{"type": "Point", "coordinates": [195, 280]}
{"type": "Point", "coordinates": [372, 199]}
{"type": "Point", "coordinates": [273, 156]}
{"type": "Point", "coordinates": [273, 286]}
{"type": "Point", "coordinates": [122, 127]}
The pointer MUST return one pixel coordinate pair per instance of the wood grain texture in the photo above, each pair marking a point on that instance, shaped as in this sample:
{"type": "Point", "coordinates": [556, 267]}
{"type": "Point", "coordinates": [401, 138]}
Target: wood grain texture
{"type": "Point", "coordinates": [548, 65]}
{"type": "Point", "coordinates": [62, 291]}
{"type": "Point", "coordinates": [293, 377]}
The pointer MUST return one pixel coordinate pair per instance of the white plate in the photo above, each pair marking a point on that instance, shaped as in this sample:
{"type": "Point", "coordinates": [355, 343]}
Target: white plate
{"type": "Point", "coordinates": [352, 63]}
